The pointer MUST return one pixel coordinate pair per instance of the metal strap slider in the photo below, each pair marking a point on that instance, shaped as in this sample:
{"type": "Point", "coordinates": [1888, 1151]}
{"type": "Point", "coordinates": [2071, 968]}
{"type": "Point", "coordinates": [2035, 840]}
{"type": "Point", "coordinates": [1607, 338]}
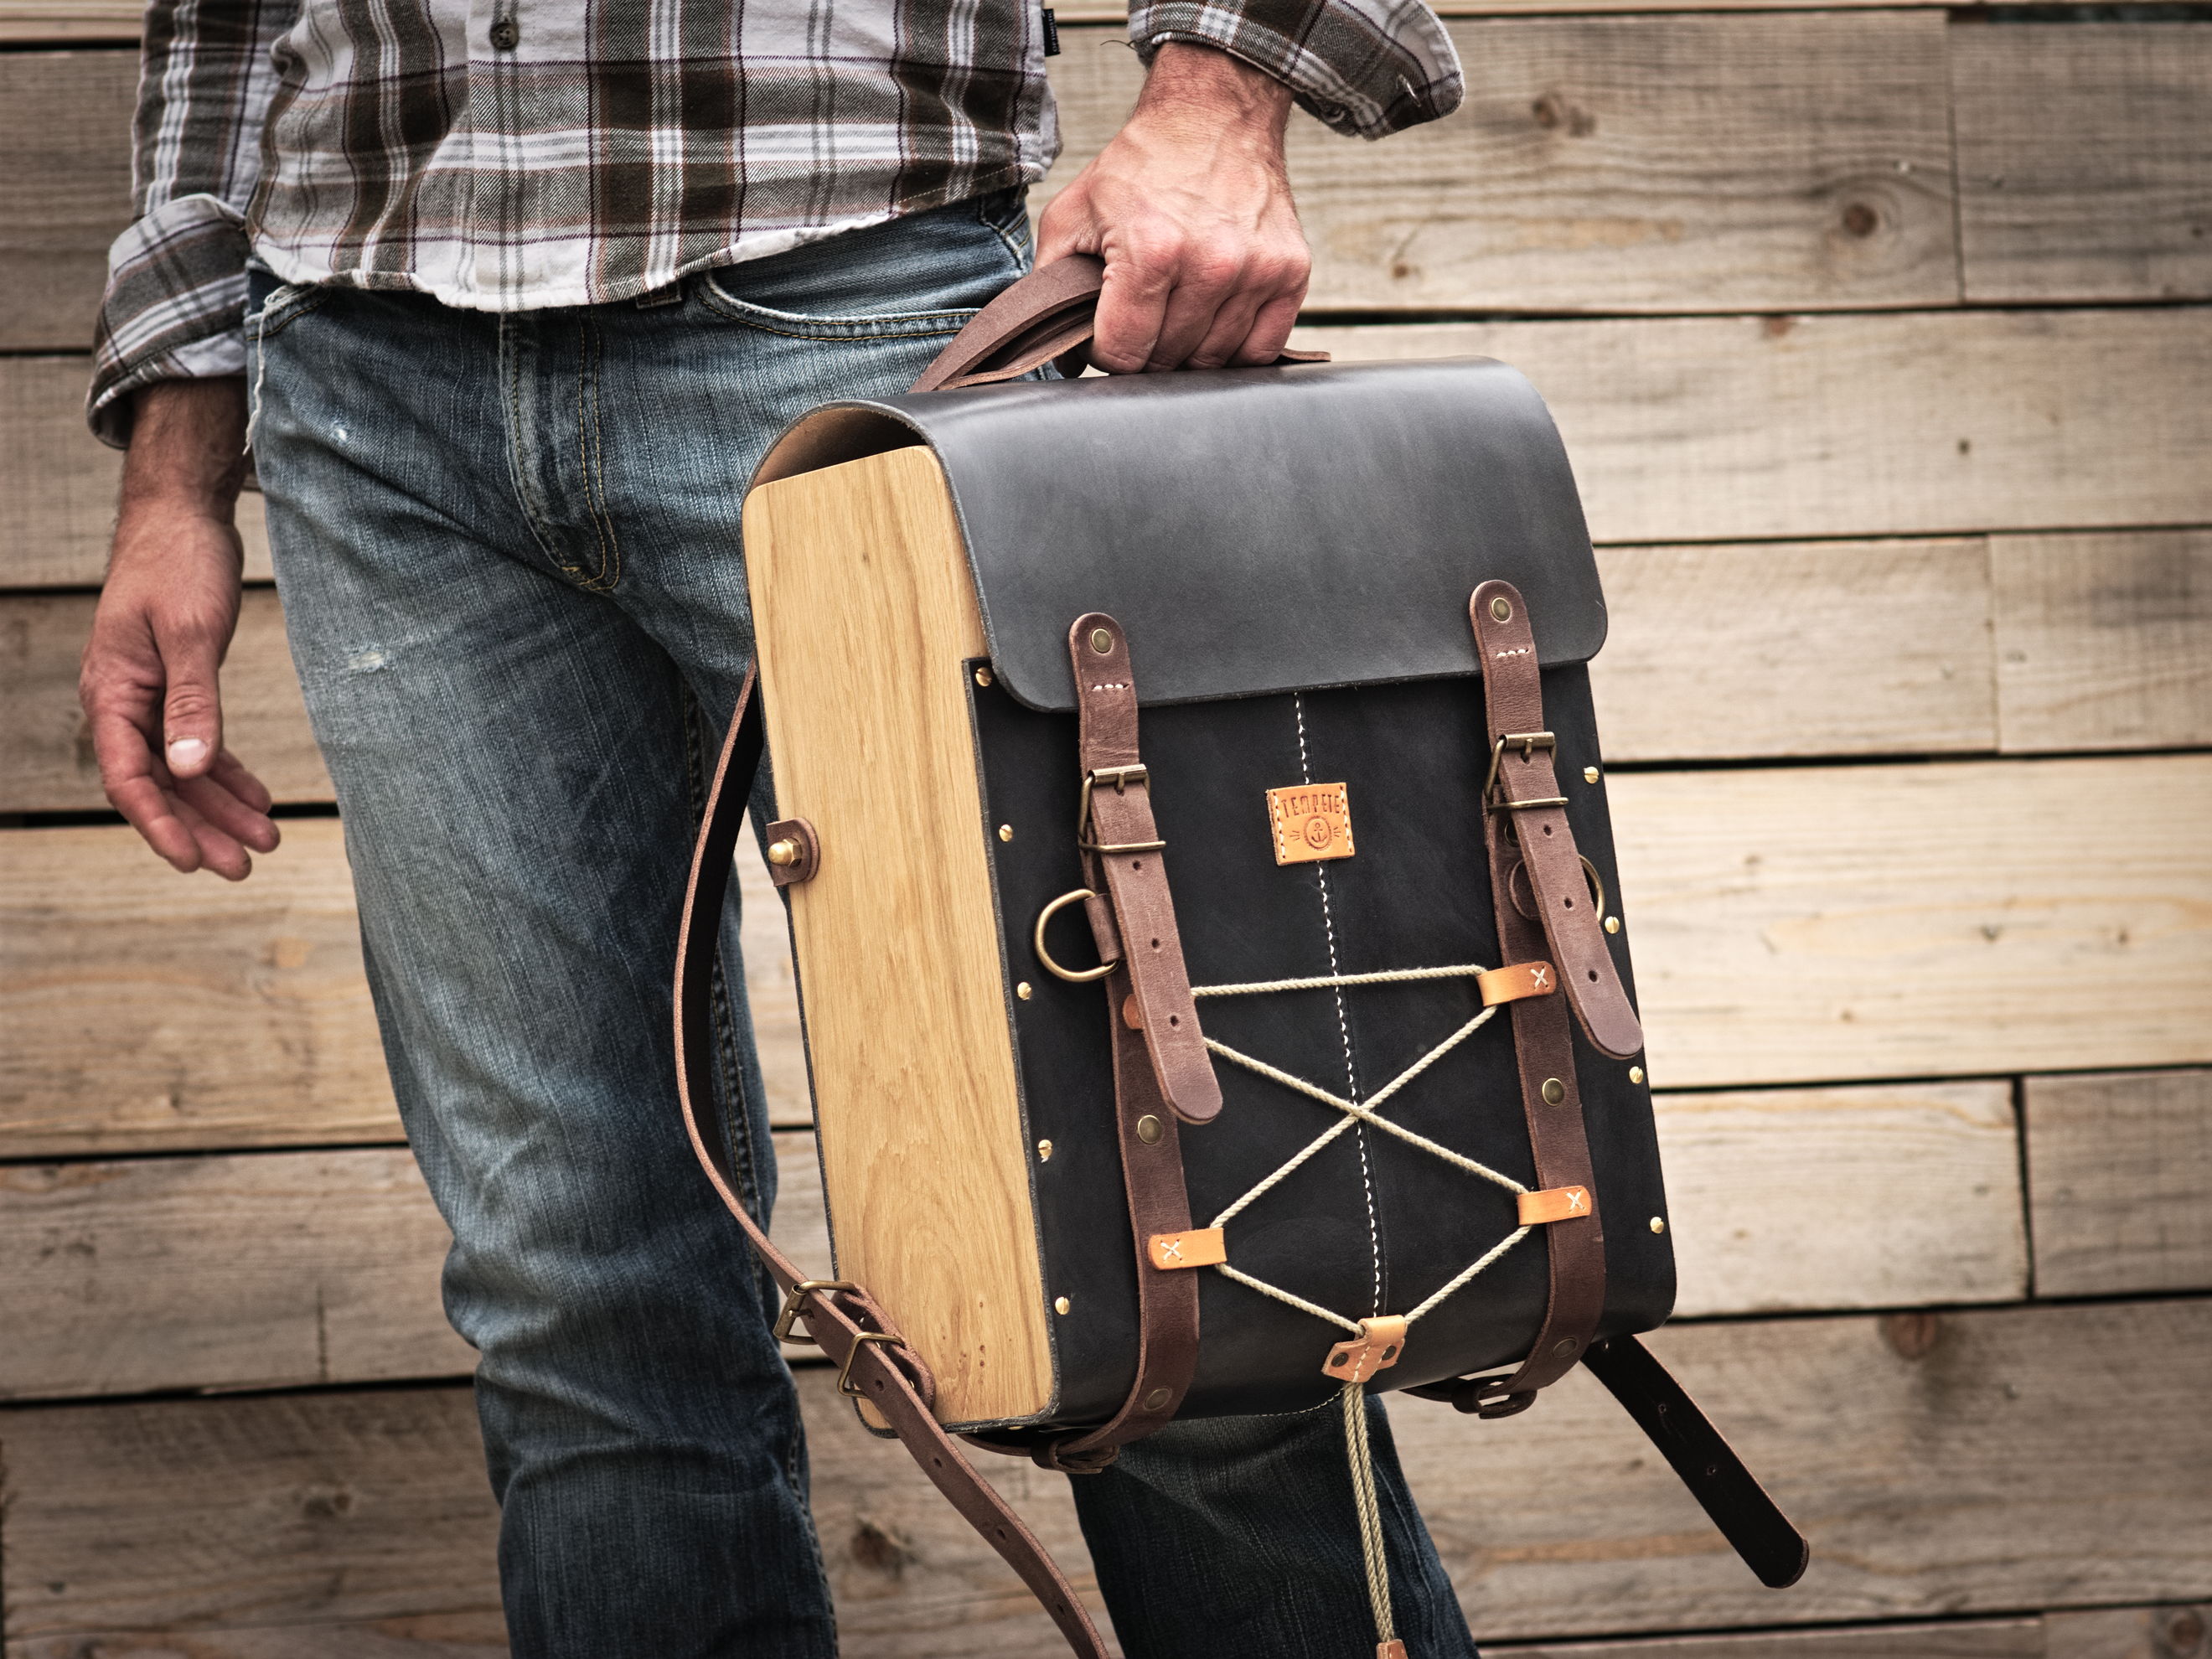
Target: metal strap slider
{"type": "Point", "coordinates": [793, 1301]}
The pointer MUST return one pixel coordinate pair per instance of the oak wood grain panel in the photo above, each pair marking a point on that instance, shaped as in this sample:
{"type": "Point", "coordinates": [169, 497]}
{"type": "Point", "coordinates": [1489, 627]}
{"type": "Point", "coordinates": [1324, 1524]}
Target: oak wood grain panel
{"type": "Point", "coordinates": [1646, 164]}
{"type": "Point", "coordinates": [260, 1271]}
{"type": "Point", "coordinates": [1868, 1197]}
{"type": "Point", "coordinates": [58, 482]}
{"type": "Point", "coordinates": [1718, 652]}
{"type": "Point", "coordinates": [46, 762]}
{"type": "Point", "coordinates": [1916, 423]}
{"type": "Point", "coordinates": [2085, 161]}
{"type": "Point", "coordinates": [1807, 923]}
{"type": "Point", "coordinates": [2119, 1183]}
{"type": "Point", "coordinates": [64, 124]}
{"type": "Point", "coordinates": [2103, 641]}
{"type": "Point", "coordinates": [867, 613]}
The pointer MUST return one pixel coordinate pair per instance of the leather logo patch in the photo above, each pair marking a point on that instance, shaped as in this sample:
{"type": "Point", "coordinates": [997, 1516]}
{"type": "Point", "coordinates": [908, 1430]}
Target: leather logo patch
{"type": "Point", "coordinates": [1311, 822]}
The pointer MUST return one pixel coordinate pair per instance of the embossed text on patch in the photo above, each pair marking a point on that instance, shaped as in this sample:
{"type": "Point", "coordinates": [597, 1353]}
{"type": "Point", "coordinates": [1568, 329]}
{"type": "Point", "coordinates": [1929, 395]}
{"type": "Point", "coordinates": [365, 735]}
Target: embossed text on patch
{"type": "Point", "coordinates": [1311, 822]}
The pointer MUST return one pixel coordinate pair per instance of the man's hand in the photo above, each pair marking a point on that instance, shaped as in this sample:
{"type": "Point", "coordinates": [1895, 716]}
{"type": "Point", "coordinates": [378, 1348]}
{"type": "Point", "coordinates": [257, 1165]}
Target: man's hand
{"type": "Point", "coordinates": [1190, 206]}
{"type": "Point", "coordinates": [165, 619]}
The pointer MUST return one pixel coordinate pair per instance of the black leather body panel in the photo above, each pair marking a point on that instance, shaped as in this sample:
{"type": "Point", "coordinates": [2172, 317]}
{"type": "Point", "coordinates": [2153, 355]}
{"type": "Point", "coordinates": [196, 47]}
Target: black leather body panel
{"type": "Point", "coordinates": [1253, 530]}
{"type": "Point", "coordinates": [1369, 1224]}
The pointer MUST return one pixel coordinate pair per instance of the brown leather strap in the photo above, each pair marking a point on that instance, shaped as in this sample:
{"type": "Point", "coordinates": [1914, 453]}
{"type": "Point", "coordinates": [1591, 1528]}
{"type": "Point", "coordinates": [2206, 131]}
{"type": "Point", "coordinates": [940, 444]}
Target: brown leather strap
{"type": "Point", "coordinates": [856, 1334]}
{"type": "Point", "coordinates": [1524, 787]}
{"type": "Point", "coordinates": [1045, 318]}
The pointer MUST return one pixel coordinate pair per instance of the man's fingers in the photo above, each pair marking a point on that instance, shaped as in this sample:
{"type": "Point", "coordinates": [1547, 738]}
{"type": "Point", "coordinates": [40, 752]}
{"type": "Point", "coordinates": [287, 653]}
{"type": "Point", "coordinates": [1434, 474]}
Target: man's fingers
{"type": "Point", "coordinates": [1130, 307]}
{"type": "Point", "coordinates": [219, 850]}
{"type": "Point", "coordinates": [223, 809]}
{"type": "Point", "coordinates": [1204, 284]}
{"type": "Point", "coordinates": [232, 774]}
{"type": "Point", "coordinates": [1231, 327]}
{"type": "Point", "coordinates": [153, 814]}
{"type": "Point", "coordinates": [1270, 331]}
{"type": "Point", "coordinates": [191, 707]}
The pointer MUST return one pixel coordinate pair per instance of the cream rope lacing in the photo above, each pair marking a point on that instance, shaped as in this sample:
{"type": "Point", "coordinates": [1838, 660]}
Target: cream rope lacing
{"type": "Point", "coordinates": [1355, 1112]}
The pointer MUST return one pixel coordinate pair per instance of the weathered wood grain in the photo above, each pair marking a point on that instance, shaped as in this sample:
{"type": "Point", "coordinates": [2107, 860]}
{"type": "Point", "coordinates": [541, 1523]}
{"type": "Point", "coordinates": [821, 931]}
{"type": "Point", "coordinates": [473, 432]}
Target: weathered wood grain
{"type": "Point", "coordinates": [64, 124]}
{"type": "Point", "coordinates": [2179, 1631]}
{"type": "Point", "coordinates": [1920, 423]}
{"type": "Point", "coordinates": [1941, 1467]}
{"type": "Point", "coordinates": [1966, 1638]}
{"type": "Point", "coordinates": [1796, 924]}
{"type": "Point", "coordinates": [1720, 652]}
{"type": "Point", "coordinates": [439, 1636]}
{"type": "Point", "coordinates": [1870, 1197]}
{"type": "Point", "coordinates": [2119, 1183]}
{"type": "Point", "coordinates": [1640, 164]}
{"type": "Point", "coordinates": [2085, 161]}
{"type": "Point", "coordinates": [2103, 641]}
{"type": "Point", "coordinates": [143, 1011]}
{"type": "Point", "coordinates": [265, 1270]}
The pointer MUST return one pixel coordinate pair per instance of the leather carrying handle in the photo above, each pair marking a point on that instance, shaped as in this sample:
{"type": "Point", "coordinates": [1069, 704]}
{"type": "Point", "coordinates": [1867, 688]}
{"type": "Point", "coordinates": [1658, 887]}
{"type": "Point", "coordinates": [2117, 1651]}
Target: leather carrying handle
{"type": "Point", "coordinates": [851, 1329]}
{"type": "Point", "coordinates": [1045, 318]}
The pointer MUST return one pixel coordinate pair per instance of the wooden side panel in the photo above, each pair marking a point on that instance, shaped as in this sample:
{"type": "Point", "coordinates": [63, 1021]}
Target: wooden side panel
{"type": "Point", "coordinates": [1788, 1200]}
{"type": "Point", "coordinates": [1926, 423]}
{"type": "Point", "coordinates": [2119, 1183]}
{"type": "Point", "coordinates": [2085, 161]}
{"type": "Point", "coordinates": [867, 616]}
{"type": "Point", "coordinates": [1656, 163]}
{"type": "Point", "coordinates": [64, 124]}
{"type": "Point", "coordinates": [1809, 924]}
{"type": "Point", "coordinates": [2103, 641]}
{"type": "Point", "coordinates": [1720, 652]}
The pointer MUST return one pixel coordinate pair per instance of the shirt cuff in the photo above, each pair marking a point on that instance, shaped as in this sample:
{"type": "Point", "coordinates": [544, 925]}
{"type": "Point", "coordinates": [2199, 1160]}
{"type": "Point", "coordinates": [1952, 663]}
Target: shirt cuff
{"type": "Point", "coordinates": [1364, 67]}
{"type": "Point", "coordinates": [174, 309]}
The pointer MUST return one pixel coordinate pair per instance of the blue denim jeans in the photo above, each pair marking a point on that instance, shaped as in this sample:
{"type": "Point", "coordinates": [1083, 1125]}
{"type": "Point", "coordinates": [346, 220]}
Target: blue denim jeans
{"type": "Point", "coordinates": [509, 556]}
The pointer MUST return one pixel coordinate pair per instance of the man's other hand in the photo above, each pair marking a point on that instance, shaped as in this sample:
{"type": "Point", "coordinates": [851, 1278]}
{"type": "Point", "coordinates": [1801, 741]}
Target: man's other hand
{"type": "Point", "coordinates": [165, 620]}
{"type": "Point", "coordinates": [1190, 207]}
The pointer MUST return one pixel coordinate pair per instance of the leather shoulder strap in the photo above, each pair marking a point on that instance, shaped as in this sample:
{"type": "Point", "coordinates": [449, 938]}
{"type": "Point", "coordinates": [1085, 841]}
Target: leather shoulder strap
{"type": "Point", "coordinates": [875, 1363]}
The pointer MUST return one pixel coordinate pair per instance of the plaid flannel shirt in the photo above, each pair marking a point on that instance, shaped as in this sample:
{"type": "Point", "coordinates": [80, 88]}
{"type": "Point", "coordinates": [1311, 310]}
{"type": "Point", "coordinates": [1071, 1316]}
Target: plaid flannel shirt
{"type": "Point", "coordinates": [514, 154]}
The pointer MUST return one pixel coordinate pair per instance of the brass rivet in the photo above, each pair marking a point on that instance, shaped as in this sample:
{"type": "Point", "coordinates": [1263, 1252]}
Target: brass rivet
{"type": "Point", "coordinates": [1501, 610]}
{"type": "Point", "coordinates": [1101, 641]}
{"type": "Point", "coordinates": [1024, 990]}
{"type": "Point", "coordinates": [1658, 1224]}
{"type": "Point", "coordinates": [1149, 1130]}
{"type": "Point", "coordinates": [1636, 1074]}
{"type": "Point", "coordinates": [1044, 1152]}
{"type": "Point", "coordinates": [1060, 1304]}
{"type": "Point", "coordinates": [1561, 1350]}
{"type": "Point", "coordinates": [1005, 832]}
{"type": "Point", "coordinates": [783, 852]}
{"type": "Point", "coordinates": [1157, 1399]}
{"type": "Point", "coordinates": [1554, 1091]}
{"type": "Point", "coordinates": [1613, 924]}
{"type": "Point", "coordinates": [1589, 775]}
{"type": "Point", "coordinates": [983, 676]}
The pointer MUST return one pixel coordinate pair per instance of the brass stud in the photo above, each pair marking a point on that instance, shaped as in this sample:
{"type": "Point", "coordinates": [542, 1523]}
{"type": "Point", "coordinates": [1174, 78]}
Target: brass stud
{"type": "Point", "coordinates": [1589, 775]}
{"type": "Point", "coordinates": [1024, 990]}
{"type": "Point", "coordinates": [1613, 924]}
{"type": "Point", "coordinates": [1149, 1130]}
{"type": "Point", "coordinates": [1561, 1350]}
{"type": "Point", "coordinates": [1636, 1074]}
{"type": "Point", "coordinates": [1501, 610]}
{"type": "Point", "coordinates": [1554, 1091]}
{"type": "Point", "coordinates": [1157, 1399]}
{"type": "Point", "coordinates": [1101, 641]}
{"type": "Point", "coordinates": [1658, 1224]}
{"type": "Point", "coordinates": [983, 675]}
{"type": "Point", "coordinates": [783, 852]}
{"type": "Point", "coordinates": [1005, 832]}
{"type": "Point", "coordinates": [1060, 1304]}
{"type": "Point", "coordinates": [1044, 1152]}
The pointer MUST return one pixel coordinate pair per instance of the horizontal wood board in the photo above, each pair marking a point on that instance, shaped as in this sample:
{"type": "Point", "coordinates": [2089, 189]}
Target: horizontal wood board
{"type": "Point", "coordinates": [1940, 1468]}
{"type": "Point", "coordinates": [2119, 1180]}
{"type": "Point", "coordinates": [2084, 160]}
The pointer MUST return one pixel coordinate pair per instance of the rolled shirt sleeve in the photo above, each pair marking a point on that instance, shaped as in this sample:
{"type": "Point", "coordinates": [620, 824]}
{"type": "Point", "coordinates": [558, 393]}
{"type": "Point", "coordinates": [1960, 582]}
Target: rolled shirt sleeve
{"type": "Point", "coordinates": [176, 279]}
{"type": "Point", "coordinates": [1363, 67]}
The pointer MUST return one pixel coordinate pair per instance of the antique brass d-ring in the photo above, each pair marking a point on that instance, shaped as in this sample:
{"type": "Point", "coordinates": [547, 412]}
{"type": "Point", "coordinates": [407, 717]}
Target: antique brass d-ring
{"type": "Point", "coordinates": [1590, 874]}
{"type": "Point", "coordinates": [1074, 976]}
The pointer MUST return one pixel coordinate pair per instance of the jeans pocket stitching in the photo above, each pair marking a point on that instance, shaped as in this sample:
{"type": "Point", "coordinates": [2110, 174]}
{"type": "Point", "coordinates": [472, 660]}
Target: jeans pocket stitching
{"type": "Point", "coordinates": [794, 325]}
{"type": "Point", "coordinates": [286, 305]}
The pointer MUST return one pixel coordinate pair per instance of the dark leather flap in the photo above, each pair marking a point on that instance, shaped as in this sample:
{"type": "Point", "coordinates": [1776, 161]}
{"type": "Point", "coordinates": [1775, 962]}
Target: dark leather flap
{"type": "Point", "coordinates": [1253, 530]}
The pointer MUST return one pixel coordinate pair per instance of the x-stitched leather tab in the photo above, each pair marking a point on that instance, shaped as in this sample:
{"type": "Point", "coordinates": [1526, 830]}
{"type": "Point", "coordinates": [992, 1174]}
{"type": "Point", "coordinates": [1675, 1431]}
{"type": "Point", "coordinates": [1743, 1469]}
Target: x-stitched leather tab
{"type": "Point", "coordinates": [1202, 1247]}
{"type": "Point", "coordinates": [1554, 1204]}
{"type": "Point", "coordinates": [1393, 1649]}
{"type": "Point", "coordinates": [1521, 979]}
{"type": "Point", "coordinates": [1356, 1358]}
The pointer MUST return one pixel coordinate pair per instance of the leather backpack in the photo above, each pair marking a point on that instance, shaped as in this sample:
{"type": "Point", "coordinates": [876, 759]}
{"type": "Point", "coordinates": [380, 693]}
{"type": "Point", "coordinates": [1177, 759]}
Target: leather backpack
{"type": "Point", "coordinates": [1216, 985]}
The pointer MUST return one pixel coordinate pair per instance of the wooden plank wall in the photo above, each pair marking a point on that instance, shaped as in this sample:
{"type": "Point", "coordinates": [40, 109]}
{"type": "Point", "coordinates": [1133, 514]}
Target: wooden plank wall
{"type": "Point", "coordinates": [1879, 335]}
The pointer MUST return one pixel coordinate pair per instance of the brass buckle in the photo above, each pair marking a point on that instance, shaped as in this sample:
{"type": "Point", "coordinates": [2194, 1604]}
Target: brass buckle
{"type": "Point", "coordinates": [1530, 742]}
{"type": "Point", "coordinates": [798, 1293]}
{"type": "Point", "coordinates": [1072, 976]}
{"type": "Point", "coordinates": [1121, 777]}
{"type": "Point", "coordinates": [845, 1371]}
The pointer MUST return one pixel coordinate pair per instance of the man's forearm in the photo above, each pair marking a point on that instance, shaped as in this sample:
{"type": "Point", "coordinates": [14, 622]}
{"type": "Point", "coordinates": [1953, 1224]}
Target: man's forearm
{"type": "Point", "coordinates": [187, 447]}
